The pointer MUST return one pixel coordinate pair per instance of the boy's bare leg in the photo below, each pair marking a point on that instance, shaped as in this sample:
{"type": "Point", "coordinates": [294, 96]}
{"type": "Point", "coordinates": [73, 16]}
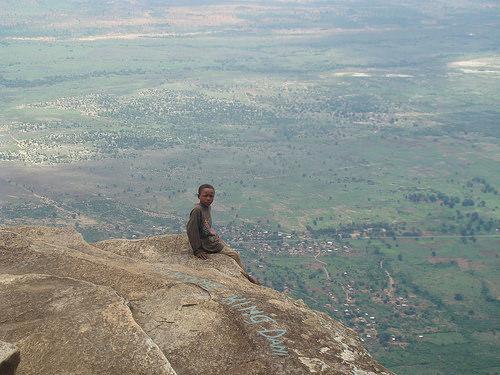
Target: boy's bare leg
{"type": "Point", "coordinates": [236, 256]}
{"type": "Point", "coordinates": [233, 254]}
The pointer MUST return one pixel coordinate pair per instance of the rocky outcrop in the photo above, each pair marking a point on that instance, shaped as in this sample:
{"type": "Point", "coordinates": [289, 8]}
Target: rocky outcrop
{"type": "Point", "coordinates": [9, 358]}
{"type": "Point", "coordinates": [149, 307]}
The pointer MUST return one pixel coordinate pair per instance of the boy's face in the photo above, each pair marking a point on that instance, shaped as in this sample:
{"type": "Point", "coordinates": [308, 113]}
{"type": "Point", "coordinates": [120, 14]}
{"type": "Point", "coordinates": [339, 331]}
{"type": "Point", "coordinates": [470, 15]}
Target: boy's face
{"type": "Point", "coordinates": [207, 196]}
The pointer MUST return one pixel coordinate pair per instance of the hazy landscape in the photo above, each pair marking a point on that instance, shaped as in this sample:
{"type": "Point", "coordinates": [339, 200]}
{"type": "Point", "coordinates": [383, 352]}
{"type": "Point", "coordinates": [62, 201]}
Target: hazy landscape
{"type": "Point", "coordinates": [354, 147]}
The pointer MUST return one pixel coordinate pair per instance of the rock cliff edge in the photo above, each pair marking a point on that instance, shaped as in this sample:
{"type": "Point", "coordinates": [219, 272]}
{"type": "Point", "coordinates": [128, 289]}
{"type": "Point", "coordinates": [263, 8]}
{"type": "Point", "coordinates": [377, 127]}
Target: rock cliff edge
{"type": "Point", "coordinates": [149, 307]}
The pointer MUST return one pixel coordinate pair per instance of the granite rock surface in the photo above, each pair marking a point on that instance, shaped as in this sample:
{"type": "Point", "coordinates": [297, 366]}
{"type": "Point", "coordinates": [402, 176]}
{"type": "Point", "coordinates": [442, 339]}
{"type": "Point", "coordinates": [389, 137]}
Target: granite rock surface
{"type": "Point", "coordinates": [149, 307]}
{"type": "Point", "coordinates": [9, 358]}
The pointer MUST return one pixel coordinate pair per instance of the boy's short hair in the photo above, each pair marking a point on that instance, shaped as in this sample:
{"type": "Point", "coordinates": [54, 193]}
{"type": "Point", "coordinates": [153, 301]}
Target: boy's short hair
{"type": "Point", "coordinates": [204, 186]}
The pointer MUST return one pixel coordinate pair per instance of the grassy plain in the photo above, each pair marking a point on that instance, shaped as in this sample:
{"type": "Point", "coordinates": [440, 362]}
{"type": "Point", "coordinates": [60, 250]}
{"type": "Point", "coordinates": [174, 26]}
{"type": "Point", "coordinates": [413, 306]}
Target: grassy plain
{"type": "Point", "coordinates": [437, 306]}
{"type": "Point", "coordinates": [373, 127]}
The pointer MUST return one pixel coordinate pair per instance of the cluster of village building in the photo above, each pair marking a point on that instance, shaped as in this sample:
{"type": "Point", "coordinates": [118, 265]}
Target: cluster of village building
{"type": "Point", "coordinates": [350, 312]}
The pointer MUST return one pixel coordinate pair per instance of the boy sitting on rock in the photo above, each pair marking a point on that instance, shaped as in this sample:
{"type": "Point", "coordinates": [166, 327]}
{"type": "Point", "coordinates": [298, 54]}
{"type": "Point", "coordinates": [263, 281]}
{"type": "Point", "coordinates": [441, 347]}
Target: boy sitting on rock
{"type": "Point", "coordinates": [202, 237]}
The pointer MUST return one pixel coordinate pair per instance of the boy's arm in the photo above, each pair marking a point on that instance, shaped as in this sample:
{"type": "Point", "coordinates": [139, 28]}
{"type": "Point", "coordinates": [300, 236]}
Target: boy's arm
{"type": "Point", "coordinates": [193, 231]}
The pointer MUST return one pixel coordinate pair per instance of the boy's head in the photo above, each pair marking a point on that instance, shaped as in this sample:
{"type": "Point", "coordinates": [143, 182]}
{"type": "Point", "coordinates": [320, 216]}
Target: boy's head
{"type": "Point", "coordinates": [206, 194]}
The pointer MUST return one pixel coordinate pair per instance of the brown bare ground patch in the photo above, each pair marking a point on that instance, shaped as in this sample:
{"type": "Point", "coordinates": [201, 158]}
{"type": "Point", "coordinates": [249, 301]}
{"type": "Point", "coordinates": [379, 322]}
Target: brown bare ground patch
{"type": "Point", "coordinates": [467, 264]}
{"type": "Point", "coordinates": [464, 264]}
{"type": "Point", "coordinates": [489, 253]}
{"type": "Point", "coordinates": [423, 171]}
{"type": "Point", "coordinates": [316, 290]}
{"type": "Point", "coordinates": [494, 289]}
{"type": "Point", "coordinates": [314, 266]}
{"type": "Point", "coordinates": [490, 150]}
{"type": "Point", "coordinates": [204, 16]}
{"type": "Point", "coordinates": [198, 16]}
{"type": "Point", "coordinates": [144, 20]}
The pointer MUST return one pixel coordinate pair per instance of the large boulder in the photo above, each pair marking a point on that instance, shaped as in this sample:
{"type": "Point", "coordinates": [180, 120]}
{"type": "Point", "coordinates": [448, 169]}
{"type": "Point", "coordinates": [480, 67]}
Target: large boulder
{"type": "Point", "coordinates": [149, 307]}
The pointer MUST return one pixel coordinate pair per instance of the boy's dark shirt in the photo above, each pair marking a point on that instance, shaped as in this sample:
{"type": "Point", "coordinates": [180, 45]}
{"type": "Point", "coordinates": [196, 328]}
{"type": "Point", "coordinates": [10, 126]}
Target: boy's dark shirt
{"type": "Point", "coordinates": [198, 231]}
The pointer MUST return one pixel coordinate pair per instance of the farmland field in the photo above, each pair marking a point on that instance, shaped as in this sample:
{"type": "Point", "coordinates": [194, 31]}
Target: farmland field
{"type": "Point", "coordinates": [354, 147]}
